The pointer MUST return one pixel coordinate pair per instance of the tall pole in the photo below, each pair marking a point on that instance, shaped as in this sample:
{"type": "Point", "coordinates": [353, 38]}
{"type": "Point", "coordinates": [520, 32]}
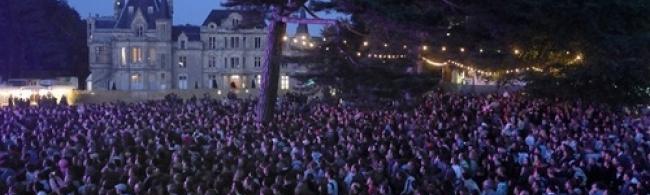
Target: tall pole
{"type": "Point", "coordinates": [271, 69]}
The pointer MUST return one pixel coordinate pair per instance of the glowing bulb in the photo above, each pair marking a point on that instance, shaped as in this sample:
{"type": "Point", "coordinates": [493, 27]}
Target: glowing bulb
{"type": "Point", "coordinates": [425, 47]}
{"type": "Point", "coordinates": [480, 50]}
{"type": "Point", "coordinates": [444, 48]}
{"type": "Point", "coordinates": [345, 41]}
{"type": "Point", "coordinates": [579, 57]}
{"type": "Point", "coordinates": [324, 39]}
{"type": "Point", "coordinates": [404, 46]}
{"type": "Point", "coordinates": [365, 43]}
{"type": "Point", "coordinates": [311, 44]}
{"type": "Point", "coordinates": [385, 44]}
{"type": "Point", "coordinates": [517, 51]}
{"type": "Point", "coordinates": [448, 34]}
{"type": "Point", "coordinates": [462, 49]}
{"type": "Point", "coordinates": [303, 37]}
{"type": "Point", "coordinates": [285, 38]}
{"type": "Point", "coordinates": [295, 40]}
{"type": "Point", "coordinates": [358, 53]}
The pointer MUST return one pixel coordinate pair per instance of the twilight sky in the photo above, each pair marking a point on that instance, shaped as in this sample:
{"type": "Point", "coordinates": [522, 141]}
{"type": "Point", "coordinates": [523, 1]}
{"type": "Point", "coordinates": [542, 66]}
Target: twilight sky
{"type": "Point", "coordinates": [185, 11]}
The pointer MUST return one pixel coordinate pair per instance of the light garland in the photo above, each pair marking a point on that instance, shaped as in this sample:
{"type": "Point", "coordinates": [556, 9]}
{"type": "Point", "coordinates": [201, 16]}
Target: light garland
{"type": "Point", "coordinates": [480, 71]}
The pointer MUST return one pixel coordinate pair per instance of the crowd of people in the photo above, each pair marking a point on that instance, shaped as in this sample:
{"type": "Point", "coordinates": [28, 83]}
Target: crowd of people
{"type": "Point", "coordinates": [444, 144]}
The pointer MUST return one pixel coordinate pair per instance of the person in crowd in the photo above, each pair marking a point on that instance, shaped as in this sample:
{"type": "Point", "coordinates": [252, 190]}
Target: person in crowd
{"type": "Point", "coordinates": [441, 143]}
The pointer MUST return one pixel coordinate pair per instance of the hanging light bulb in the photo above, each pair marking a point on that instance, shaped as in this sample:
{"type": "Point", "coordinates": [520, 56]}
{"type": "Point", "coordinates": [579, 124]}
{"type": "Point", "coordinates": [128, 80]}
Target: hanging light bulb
{"type": "Point", "coordinates": [443, 48]}
{"type": "Point", "coordinates": [424, 47]}
{"type": "Point", "coordinates": [385, 44]}
{"type": "Point", "coordinates": [480, 50]}
{"type": "Point", "coordinates": [285, 38]}
{"type": "Point", "coordinates": [462, 49]}
{"type": "Point", "coordinates": [517, 51]}
{"type": "Point", "coordinates": [359, 54]}
{"type": "Point", "coordinates": [365, 43]}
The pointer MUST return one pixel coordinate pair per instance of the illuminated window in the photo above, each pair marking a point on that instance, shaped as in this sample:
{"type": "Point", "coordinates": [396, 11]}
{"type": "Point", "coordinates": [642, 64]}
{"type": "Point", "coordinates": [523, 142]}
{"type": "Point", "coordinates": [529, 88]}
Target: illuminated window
{"type": "Point", "coordinates": [284, 83]}
{"type": "Point", "coordinates": [259, 79]}
{"type": "Point", "coordinates": [137, 81]}
{"type": "Point", "coordinates": [182, 61]}
{"type": "Point", "coordinates": [123, 56]}
{"type": "Point", "coordinates": [136, 55]}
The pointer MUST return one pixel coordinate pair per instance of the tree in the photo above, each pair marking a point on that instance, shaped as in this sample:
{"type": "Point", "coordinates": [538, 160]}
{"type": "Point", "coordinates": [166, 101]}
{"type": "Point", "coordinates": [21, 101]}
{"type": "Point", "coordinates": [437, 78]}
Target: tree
{"type": "Point", "coordinates": [47, 38]}
{"type": "Point", "coordinates": [591, 49]}
{"type": "Point", "coordinates": [273, 53]}
{"type": "Point", "coordinates": [596, 50]}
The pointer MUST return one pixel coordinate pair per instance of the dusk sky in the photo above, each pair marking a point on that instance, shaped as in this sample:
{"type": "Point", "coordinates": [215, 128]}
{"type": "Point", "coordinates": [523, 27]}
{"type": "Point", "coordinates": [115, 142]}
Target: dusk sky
{"type": "Point", "coordinates": [185, 11]}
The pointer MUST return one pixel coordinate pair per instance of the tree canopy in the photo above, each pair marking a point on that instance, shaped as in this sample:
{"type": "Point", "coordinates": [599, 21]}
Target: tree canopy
{"type": "Point", "coordinates": [41, 38]}
{"type": "Point", "coordinates": [591, 49]}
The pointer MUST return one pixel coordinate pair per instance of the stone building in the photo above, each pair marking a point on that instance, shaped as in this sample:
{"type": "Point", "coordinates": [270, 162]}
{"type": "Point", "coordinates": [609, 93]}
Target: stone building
{"type": "Point", "coordinates": [139, 49]}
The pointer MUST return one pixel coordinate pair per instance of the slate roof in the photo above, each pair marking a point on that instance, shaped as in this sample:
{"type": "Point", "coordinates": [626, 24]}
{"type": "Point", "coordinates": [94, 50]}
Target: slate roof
{"type": "Point", "coordinates": [193, 33]}
{"type": "Point", "coordinates": [160, 11]}
{"type": "Point", "coordinates": [251, 19]}
{"type": "Point", "coordinates": [104, 23]}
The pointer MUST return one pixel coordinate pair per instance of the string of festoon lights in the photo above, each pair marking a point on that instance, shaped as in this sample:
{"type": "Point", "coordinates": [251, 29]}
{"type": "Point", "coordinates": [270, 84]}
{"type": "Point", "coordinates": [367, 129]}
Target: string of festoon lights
{"type": "Point", "coordinates": [481, 71]}
{"type": "Point", "coordinates": [304, 41]}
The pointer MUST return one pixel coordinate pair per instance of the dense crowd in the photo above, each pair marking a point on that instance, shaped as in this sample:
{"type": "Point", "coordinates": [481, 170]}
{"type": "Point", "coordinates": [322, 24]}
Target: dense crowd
{"type": "Point", "coordinates": [444, 144]}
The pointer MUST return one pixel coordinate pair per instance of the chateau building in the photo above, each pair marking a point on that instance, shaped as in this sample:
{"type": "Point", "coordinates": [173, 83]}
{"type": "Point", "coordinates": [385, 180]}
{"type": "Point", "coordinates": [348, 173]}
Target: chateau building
{"type": "Point", "coordinates": [139, 49]}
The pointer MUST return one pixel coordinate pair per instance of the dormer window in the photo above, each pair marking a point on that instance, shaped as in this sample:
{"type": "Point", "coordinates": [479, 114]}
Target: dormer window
{"type": "Point", "coordinates": [182, 44]}
{"type": "Point", "coordinates": [139, 31]}
{"type": "Point", "coordinates": [131, 9]}
{"type": "Point", "coordinates": [150, 10]}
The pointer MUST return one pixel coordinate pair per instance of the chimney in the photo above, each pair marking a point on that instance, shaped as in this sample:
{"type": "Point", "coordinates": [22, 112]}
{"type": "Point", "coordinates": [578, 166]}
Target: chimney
{"type": "Point", "coordinates": [117, 7]}
{"type": "Point", "coordinates": [171, 7]}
